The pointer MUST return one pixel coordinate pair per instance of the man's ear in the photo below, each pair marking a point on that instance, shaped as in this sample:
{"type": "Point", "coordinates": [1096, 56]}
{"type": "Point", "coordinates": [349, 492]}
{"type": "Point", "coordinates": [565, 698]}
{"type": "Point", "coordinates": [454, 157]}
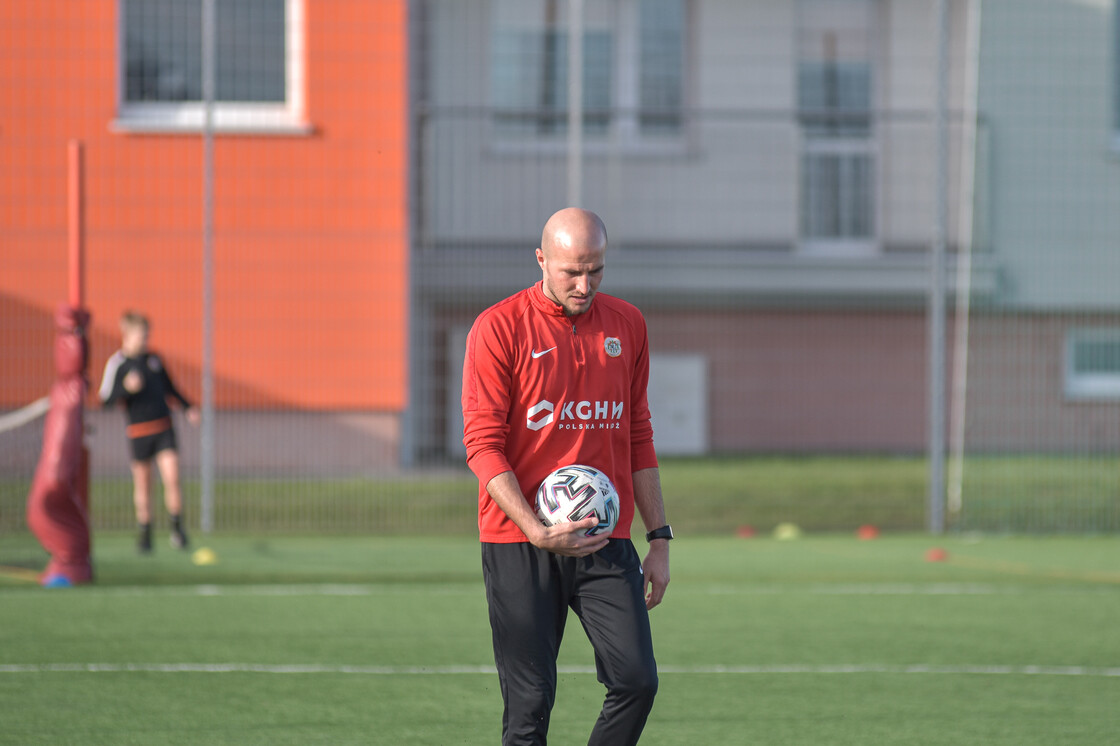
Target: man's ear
{"type": "Point", "coordinates": [540, 258]}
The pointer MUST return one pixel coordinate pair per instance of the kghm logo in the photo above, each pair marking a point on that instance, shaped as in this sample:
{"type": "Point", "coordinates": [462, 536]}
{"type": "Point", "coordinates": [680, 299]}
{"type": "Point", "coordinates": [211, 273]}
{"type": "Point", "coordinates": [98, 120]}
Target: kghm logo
{"type": "Point", "coordinates": [582, 415]}
{"type": "Point", "coordinates": [542, 406]}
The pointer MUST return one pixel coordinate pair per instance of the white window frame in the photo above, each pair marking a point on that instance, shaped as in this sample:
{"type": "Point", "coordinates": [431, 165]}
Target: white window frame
{"type": "Point", "coordinates": [839, 247]}
{"type": "Point", "coordinates": [624, 130]}
{"type": "Point", "coordinates": [1083, 386]}
{"type": "Point", "coordinates": [288, 117]}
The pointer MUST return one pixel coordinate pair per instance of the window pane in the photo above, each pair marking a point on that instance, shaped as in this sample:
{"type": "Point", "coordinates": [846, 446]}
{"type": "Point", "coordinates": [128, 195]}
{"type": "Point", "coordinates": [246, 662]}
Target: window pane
{"type": "Point", "coordinates": [661, 64]}
{"type": "Point", "coordinates": [1093, 363]}
{"type": "Point", "coordinates": [834, 67]}
{"type": "Point", "coordinates": [163, 50]}
{"type": "Point", "coordinates": [1100, 356]}
{"type": "Point", "coordinates": [251, 48]}
{"type": "Point", "coordinates": [836, 196]}
{"type": "Point", "coordinates": [633, 57]}
{"type": "Point", "coordinates": [163, 46]}
{"type": "Point", "coordinates": [596, 79]}
{"type": "Point", "coordinates": [835, 98]}
{"type": "Point", "coordinates": [529, 74]}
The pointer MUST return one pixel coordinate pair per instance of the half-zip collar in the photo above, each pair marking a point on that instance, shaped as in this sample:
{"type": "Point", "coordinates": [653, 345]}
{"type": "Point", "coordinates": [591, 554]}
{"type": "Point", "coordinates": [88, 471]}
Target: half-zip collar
{"type": "Point", "coordinates": [549, 307]}
{"type": "Point", "coordinates": [543, 303]}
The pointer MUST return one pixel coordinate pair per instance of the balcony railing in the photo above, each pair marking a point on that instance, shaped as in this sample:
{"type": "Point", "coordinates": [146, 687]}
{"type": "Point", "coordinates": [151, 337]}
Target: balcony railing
{"type": "Point", "coordinates": [759, 181]}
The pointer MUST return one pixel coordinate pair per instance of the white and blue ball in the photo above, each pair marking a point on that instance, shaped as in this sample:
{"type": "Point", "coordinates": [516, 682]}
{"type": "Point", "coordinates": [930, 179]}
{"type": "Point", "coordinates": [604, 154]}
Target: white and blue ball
{"type": "Point", "coordinates": [572, 493]}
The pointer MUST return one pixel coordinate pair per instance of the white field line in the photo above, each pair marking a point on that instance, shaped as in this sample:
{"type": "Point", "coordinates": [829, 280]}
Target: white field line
{"type": "Point", "coordinates": [389, 589]}
{"type": "Point", "coordinates": [295, 589]}
{"type": "Point", "coordinates": [771, 669]}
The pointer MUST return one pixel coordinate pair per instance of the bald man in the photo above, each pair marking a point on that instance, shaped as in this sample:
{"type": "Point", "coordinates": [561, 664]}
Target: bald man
{"type": "Point", "coordinates": [556, 375]}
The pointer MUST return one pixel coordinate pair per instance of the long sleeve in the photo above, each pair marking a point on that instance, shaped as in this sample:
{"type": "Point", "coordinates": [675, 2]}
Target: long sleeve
{"type": "Point", "coordinates": [112, 380]}
{"type": "Point", "coordinates": [171, 390]}
{"type": "Point", "coordinates": [486, 402]}
{"type": "Point", "coordinates": [642, 452]}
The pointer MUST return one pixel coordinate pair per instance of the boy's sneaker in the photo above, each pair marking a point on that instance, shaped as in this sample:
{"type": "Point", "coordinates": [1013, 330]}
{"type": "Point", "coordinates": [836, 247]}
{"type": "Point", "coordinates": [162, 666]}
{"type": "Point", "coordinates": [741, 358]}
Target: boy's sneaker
{"type": "Point", "coordinates": [179, 538]}
{"type": "Point", "coordinates": [144, 541]}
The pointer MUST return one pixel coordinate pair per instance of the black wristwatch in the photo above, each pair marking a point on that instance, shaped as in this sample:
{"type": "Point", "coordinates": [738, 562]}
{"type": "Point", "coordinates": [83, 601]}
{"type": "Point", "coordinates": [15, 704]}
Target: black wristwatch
{"type": "Point", "coordinates": [665, 532]}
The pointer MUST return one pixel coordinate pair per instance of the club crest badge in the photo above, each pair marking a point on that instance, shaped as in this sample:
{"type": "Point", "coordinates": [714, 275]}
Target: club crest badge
{"type": "Point", "coordinates": [613, 346]}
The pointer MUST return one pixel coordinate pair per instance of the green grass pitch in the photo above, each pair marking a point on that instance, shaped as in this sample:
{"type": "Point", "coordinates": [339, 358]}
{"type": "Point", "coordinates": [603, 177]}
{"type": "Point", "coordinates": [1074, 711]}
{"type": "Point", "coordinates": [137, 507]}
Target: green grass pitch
{"type": "Point", "coordinates": [347, 640]}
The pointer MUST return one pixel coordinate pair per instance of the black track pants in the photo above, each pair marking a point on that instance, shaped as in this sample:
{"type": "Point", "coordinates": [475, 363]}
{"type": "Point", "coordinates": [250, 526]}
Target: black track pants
{"type": "Point", "coordinates": [529, 592]}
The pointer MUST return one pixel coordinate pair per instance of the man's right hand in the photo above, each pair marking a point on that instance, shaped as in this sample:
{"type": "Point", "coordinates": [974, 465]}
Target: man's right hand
{"type": "Point", "coordinates": [133, 382]}
{"type": "Point", "coordinates": [569, 539]}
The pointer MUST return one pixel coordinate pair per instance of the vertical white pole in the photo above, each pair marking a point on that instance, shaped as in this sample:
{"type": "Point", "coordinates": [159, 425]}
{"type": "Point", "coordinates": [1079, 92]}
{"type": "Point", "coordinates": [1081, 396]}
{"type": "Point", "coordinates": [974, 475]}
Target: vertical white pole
{"type": "Point", "coordinates": [575, 103]}
{"type": "Point", "coordinates": [936, 304]}
{"type": "Point", "coordinates": [959, 384]}
{"type": "Point", "coordinates": [206, 455]}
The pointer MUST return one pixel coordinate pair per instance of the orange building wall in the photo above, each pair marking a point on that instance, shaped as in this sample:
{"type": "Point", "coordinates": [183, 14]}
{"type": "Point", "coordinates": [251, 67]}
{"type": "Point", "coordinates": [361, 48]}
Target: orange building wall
{"type": "Point", "coordinates": [310, 231]}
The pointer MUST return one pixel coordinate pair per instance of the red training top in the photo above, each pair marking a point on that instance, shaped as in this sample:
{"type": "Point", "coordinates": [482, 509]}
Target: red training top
{"type": "Point", "coordinates": [543, 390]}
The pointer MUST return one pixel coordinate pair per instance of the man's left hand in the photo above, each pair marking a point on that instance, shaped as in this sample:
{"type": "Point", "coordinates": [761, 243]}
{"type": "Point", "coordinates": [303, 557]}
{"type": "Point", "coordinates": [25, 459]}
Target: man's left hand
{"type": "Point", "coordinates": [656, 571]}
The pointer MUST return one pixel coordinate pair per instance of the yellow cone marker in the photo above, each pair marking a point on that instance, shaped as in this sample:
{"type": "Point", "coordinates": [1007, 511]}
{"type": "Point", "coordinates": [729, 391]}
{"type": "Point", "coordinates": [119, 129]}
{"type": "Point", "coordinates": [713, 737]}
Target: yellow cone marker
{"type": "Point", "coordinates": [204, 556]}
{"type": "Point", "coordinates": [787, 531]}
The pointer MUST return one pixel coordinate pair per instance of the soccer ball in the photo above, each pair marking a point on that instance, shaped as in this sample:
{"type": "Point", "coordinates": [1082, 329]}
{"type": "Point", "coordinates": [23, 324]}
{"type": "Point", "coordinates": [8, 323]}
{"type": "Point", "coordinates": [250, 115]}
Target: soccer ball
{"type": "Point", "coordinates": [572, 493]}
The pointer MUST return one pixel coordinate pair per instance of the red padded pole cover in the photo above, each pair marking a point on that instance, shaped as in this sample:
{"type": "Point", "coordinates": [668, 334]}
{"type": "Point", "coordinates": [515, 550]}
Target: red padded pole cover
{"type": "Point", "coordinates": [57, 506]}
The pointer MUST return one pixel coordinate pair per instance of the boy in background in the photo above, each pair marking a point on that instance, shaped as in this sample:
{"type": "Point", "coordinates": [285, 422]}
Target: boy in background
{"type": "Point", "coordinates": [136, 378]}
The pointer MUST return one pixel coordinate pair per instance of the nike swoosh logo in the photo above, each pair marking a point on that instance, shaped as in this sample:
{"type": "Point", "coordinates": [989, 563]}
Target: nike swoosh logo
{"type": "Point", "coordinates": [536, 354]}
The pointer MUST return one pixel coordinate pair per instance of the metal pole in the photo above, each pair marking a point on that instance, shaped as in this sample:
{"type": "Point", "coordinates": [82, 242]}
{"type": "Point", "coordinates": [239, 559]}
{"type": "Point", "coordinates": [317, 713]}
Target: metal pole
{"type": "Point", "coordinates": [206, 454]}
{"type": "Point", "coordinates": [76, 224]}
{"type": "Point", "coordinates": [959, 385]}
{"type": "Point", "coordinates": [76, 292]}
{"type": "Point", "coordinates": [575, 103]}
{"type": "Point", "coordinates": [936, 310]}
